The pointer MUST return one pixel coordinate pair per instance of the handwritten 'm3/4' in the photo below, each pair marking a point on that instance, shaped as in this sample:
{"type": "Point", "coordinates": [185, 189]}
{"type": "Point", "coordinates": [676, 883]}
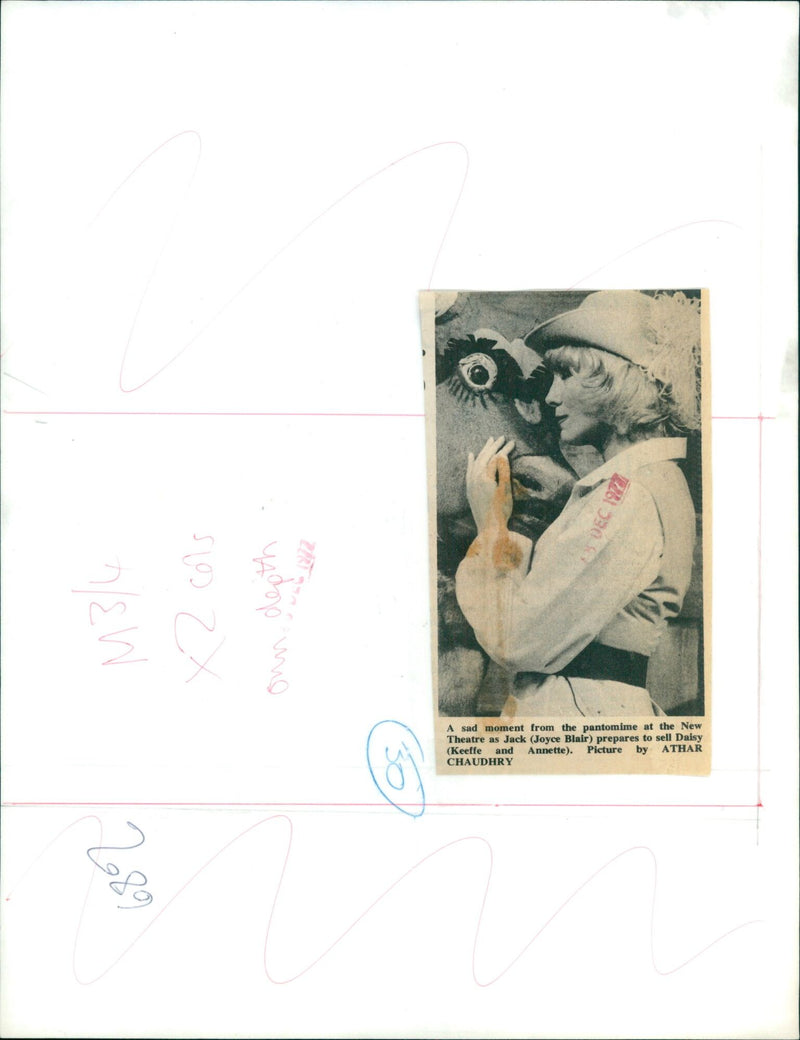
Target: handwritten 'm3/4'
{"type": "Point", "coordinates": [115, 609]}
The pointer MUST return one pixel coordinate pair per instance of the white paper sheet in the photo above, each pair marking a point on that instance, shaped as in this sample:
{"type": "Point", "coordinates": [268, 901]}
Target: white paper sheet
{"type": "Point", "coordinates": [216, 219]}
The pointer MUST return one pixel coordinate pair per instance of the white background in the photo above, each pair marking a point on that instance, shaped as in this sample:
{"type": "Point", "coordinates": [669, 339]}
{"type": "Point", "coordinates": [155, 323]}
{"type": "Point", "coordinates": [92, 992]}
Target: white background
{"type": "Point", "coordinates": [229, 209]}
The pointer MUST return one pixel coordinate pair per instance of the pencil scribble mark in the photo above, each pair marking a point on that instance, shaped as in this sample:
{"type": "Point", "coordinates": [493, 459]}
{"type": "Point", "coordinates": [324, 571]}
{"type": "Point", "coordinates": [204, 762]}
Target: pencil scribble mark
{"type": "Point", "coordinates": [649, 241]}
{"type": "Point", "coordinates": [124, 386]}
{"type": "Point", "coordinates": [30, 386]}
{"type": "Point", "coordinates": [466, 842]}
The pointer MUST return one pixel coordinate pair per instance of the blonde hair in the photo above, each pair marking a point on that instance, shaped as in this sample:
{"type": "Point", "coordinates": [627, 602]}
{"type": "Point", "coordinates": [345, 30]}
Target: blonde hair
{"type": "Point", "coordinates": [629, 400]}
{"type": "Point", "coordinates": [661, 399]}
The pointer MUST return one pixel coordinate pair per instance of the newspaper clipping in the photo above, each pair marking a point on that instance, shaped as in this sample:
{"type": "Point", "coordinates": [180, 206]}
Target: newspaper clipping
{"type": "Point", "coordinates": [568, 447]}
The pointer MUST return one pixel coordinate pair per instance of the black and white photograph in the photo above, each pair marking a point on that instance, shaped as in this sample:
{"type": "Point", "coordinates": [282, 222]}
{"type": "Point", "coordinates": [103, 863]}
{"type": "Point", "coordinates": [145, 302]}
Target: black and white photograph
{"type": "Point", "coordinates": [566, 429]}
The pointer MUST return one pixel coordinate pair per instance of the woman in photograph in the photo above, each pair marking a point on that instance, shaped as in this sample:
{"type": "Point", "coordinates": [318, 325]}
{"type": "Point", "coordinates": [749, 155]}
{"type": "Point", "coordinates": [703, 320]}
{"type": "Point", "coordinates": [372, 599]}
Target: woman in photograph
{"type": "Point", "coordinates": [576, 617]}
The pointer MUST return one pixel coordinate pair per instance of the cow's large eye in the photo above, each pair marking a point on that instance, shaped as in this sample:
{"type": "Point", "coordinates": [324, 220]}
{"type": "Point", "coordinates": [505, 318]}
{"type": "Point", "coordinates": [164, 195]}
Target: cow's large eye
{"type": "Point", "coordinates": [478, 372]}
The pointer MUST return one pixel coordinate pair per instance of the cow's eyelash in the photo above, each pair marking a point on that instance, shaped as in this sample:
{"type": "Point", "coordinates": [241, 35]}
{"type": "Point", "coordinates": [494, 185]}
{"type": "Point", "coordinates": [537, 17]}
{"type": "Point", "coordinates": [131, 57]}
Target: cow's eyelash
{"type": "Point", "coordinates": [462, 392]}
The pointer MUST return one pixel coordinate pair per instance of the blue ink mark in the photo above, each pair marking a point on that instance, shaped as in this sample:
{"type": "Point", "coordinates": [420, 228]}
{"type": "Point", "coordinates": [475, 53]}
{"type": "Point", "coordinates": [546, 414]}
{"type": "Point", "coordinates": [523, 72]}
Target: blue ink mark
{"type": "Point", "coordinates": [111, 868]}
{"type": "Point", "coordinates": [141, 898]}
{"type": "Point", "coordinates": [389, 757]}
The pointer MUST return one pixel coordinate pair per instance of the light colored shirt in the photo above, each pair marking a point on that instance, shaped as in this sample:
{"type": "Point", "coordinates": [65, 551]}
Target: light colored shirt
{"type": "Point", "coordinates": [613, 568]}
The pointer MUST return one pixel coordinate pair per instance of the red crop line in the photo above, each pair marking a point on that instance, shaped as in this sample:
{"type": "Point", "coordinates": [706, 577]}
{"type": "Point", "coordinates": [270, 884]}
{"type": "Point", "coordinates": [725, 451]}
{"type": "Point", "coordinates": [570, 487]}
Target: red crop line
{"type": "Point", "coordinates": [303, 415]}
{"type": "Point", "coordinates": [759, 617]}
{"type": "Point", "coordinates": [246, 415]}
{"type": "Point", "coordinates": [757, 418]}
{"type": "Point", "coordinates": [363, 805]}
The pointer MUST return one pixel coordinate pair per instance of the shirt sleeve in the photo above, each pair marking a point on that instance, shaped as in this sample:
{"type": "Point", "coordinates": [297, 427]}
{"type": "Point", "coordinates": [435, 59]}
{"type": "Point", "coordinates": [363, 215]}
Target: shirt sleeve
{"type": "Point", "coordinates": [537, 611]}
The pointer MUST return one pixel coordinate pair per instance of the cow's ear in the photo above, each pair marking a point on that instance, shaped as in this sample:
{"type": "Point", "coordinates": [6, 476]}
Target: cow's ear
{"type": "Point", "coordinates": [488, 339]}
{"type": "Point", "coordinates": [535, 387]}
{"type": "Point", "coordinates": [540, 380]}
{"type": "Point", "coordinates": [526, 357]}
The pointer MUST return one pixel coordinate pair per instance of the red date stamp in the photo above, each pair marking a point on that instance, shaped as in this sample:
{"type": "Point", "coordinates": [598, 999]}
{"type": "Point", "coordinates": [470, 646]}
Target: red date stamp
{"type": "Point", "coordinates": [614, 495]}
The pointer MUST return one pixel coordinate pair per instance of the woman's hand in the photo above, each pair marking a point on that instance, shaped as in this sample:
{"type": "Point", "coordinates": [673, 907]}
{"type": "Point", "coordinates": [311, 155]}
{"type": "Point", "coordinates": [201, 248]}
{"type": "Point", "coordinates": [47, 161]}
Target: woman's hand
{"type": "Point", "coordinates": [489, 484]}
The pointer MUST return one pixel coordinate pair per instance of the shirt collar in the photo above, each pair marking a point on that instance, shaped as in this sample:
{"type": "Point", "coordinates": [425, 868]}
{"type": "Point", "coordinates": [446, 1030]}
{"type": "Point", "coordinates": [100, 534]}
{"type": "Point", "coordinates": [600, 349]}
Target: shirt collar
{"type": "Point", "coordinates": [656, 449]}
